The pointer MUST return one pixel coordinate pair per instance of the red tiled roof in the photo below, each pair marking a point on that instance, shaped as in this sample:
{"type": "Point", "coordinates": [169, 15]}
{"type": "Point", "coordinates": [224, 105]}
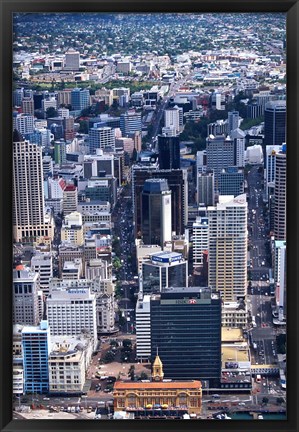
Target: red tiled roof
{"type": "Point", "coordinates": [120, 385]}
{"type": "Point", "coordinates": [70, 188]}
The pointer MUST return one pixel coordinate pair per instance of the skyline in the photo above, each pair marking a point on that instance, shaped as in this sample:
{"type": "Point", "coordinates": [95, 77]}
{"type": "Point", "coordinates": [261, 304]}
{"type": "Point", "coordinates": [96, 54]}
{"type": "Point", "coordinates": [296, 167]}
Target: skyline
{"type": "Point", "coordinates": [213, 100]}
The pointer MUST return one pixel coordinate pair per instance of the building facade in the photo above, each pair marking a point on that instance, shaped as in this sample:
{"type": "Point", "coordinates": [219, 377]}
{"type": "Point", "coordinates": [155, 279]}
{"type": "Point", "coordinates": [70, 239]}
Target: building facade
{"type": "Point", "coordinates": [36, 348]}
{"type": "Point", "coordinates": [228, 247]}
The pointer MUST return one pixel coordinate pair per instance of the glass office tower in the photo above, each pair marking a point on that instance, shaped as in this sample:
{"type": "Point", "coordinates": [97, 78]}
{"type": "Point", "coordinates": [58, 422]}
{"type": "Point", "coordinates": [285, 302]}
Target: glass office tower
{"type": "Point", "coordinates": [186, 328]}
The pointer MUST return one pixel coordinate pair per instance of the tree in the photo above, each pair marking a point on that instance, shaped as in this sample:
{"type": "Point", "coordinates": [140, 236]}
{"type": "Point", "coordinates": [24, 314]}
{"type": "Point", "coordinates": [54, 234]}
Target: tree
{"type": "Point", "coordinates": [265, 400]}
{"type": "Point", "coordinates": [51, 112]}
{"type": "Point", "coordinates": [280, 400]}
{"type": "Point", "coordinates": [83, 127]}
{"type": "Point", "coordinates": [109, 357]}
{"type": "Point", "coordinates": [114, 343]}
{"type": "Point", "coordinates": [143, 375]}
{"type": "Point", "coordinates": [131, 372]}
{"type": "Point", "coordinates": [127, 343]}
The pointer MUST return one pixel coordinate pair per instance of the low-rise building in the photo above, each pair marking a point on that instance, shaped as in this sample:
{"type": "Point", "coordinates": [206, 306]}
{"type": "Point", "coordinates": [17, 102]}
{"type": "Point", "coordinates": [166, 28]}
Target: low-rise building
{"type": "Point", "coordinates": [68, 361]}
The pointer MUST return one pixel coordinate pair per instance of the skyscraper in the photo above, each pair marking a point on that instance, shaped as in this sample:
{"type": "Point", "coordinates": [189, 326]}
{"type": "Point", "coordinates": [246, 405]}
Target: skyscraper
{"type": "Point", "coordinates": [177, 182]}
{"type": "Point", "coordinates": [130, 122]}
{"type": "Point", "coordinates": [231, 181]}
{"type": "Point", "coordinates": [280, 194]}
{"type": "Point", "coordinates": [200, 240]}
{"type": "Point", "coordinates": [156, 212]}
{"type": "Point", "coordinates": [173, 117]}
{"type": "Point", "coordinates": [72, 60]}
{"type": "Point", "coordinates": [205, 188]}
{"type": "Point", "coordinates": [238, 137]}
{"type": "Point", "coordinates": [169, 152]}
{"type": "Point", "coordinates": [29, 220]}
{"type": "Point", "coordinates": [220, 155]}
{"type": "Point", "coordinates": [275, 122]}
{"type": "Point", "coordinates": [228, 247]}
{"type": "Point", "coordinates": [36, 349]}
{"type": "Point", "coordinates": [233, 121]}
{"type": "Point", "coordinates": [26, 284]}
{"type": "Point", "coordinates": [80, 99]}
{"type": "Point", "coordinates": [186, 328]}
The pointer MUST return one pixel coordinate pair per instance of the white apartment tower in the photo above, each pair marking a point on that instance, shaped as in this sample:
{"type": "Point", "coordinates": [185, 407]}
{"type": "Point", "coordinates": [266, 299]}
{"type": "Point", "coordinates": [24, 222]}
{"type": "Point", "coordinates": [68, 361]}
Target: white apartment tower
{"type": "Point", "coordinates": [228, 247]}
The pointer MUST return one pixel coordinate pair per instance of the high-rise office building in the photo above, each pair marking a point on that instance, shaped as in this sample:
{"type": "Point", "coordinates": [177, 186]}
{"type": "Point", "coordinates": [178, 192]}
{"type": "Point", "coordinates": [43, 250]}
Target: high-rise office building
{"type": "Point", "coordinates": [29, 220]}
{"type": "Point", "coordinates": [164, 270]}
{"type": "Point", "coordinates": [233, 121]}
{"type": "Point", "coordinates": [200, 240]}
{"type": "Point", "coordinates": [156, 212]}
{"type": "Point", "coordinates": [280, 194]}
{"type": "Point", "coordinates": [169, 152]}
{"type": "Point", "coordinates": [270, 168]}
{"type": "Point", "coordinates": [72, 60]}
{"type": "Point", "coordinates": [80, 99]}
{"type": "Point", "coordinates": [69, 311]}
{"type": "Point", "coordinates": [275, 122]}
{"type": "Point", "coordinates": [177, 183]}
{"type": "Point", "coordinates": [220, 155]}
{"type": "Point", "coordinates": [228, 247]}
{"type": "Point", "coordinates": [26, 284]}
{"type": "Point", "coordinates": [186, 329]}
{"type": "Point", "coordinates": [205, 188]}
{"type": "Point", "coordinates": [100, 138]}
{"type": "Point", "coordinates": [231, 181]}
{"type": "Point", "coordinates": [36, 344]}
{"type": "Point", "coordinates": [130, 122]}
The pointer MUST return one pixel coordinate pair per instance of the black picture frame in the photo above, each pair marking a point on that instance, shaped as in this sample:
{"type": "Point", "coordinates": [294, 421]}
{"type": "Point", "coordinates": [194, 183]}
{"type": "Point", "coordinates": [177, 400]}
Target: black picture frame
{"type": "Point", "coordinates": [291, 8]}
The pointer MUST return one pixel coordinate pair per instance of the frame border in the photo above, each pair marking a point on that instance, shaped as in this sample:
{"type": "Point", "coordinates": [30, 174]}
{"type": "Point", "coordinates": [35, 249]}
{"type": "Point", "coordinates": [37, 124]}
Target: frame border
{"type": "Point", "coordinates": [291, 7]}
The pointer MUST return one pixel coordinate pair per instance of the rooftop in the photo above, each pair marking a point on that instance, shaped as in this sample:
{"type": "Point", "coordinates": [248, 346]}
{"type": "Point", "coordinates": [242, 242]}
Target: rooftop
{"type": "Point", "coordinates": [120, 385]}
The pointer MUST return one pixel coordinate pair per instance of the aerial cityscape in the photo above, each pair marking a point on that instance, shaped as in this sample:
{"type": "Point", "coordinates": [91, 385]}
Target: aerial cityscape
{"type": "Point", "coordinates": [149, 216]}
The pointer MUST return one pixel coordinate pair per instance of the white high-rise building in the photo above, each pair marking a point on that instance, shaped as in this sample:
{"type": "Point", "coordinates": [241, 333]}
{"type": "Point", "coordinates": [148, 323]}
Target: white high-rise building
{"type": "Point", "coordinates": [271, 151]}
{"type": "Point", "coordinates": [29, 220]}
{"type": "Point", "coordinates": [228, 246]}
{"type": "Point", "coordinates": [143, 327]}
{"type": "Point", "coordinates": [71, 311]}
{"type": "Point", "coordinates": [200, 240]}
{"type": "Point", "coordinates": [238, 137]}
{"type": "Point", "coordinates": [173, 117]}
{"type": "Point", "coordinates": [280, 194]}
{"type": "Point", "coordinates": [24, 123]}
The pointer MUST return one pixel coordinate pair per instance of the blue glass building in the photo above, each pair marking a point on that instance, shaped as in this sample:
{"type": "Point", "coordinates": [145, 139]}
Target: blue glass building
{"type": "Point", "coordinates": [36, 349]}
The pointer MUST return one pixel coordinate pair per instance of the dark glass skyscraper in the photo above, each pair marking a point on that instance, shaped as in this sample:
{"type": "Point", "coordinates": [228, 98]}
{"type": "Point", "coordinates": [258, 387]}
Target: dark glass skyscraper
{"type": "Point", "coordinates": [169, 152]}
{"type": "Point", "coordinates": [275, 123]}
{"type": "Point", "coordinates": [156, 212]}
{"type": "Point", "coordinates": [177, 182]}
{"type": "Point", "coordinates": [186, 328]}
